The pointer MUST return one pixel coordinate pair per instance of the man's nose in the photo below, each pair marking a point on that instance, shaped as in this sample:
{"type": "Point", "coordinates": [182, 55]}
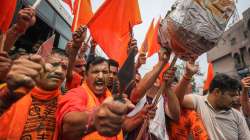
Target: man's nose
{"type": "Point", "coordinates": [100, 75]}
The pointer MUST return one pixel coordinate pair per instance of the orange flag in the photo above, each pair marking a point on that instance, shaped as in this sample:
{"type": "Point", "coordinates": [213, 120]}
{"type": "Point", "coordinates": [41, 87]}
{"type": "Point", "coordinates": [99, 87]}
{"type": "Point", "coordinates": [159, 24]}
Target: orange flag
{"type": "Point", "coordinates": [163, 71]}
{"type": "Point", "coordinates": [210, 76]}
{"type": "Point", "coordinates": [7, 11]}
{"type": "Point", "coordinates": [46, 48]}
{"type": "Point", "coordinates": [82, 13]}
{"type": "Point", "coordinates": [148, 38]}
{"type": "Point", "coordinates": [111, 25]}
{"type": "Point", "coordinates": [155, 46]}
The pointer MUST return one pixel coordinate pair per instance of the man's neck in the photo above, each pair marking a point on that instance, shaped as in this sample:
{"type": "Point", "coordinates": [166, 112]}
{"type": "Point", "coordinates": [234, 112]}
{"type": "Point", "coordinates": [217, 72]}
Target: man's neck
{"type": "Point", "coordinates": [211, 101]}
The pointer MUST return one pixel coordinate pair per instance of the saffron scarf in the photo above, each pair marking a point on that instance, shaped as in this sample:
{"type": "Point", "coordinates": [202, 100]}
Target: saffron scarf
{"type": "Point", "coordinates": [93, 101]}
{"type": "Point", "coordinates": [13, 120]}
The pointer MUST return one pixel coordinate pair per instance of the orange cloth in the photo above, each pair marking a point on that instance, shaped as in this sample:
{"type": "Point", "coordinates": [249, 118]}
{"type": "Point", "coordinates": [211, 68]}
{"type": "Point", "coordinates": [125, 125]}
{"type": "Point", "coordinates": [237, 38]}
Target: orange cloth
{"type": "Point", "coordinates": [82, 99]}
{"type": "Point", "coordinates": [75, 82]}
{"type": "Point", "coordinates": [189, 124]}
{"type": "Point", "coordinates": [210, 76]}
{"type": "Point", "coordinates": [82, 13]}
{"type": "Point", "coordinates": [155, 46]}
{"type": "Point", "coordinates": [3, 85]}
{"type": "Point", "coordinates": [13, 121]}
{"type": "Point", "coordinates": [111, 25]}
{"type": "Point", "coordinates": [7, 11]}
{"type": "Point", "coordinates": [163, 70]}
{"type": "Point", "coordinates": [148, 39]}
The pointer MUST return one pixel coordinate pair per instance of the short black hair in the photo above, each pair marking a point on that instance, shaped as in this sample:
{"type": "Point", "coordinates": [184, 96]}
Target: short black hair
{"type": "Point", "coordinates": [224, 83]}
{"type": "Point", "coordinates": [114, 63]}
{"type": "Point", "coordinates": [94, 61]}
{"type": "Point", "coordinates": [59, 51]}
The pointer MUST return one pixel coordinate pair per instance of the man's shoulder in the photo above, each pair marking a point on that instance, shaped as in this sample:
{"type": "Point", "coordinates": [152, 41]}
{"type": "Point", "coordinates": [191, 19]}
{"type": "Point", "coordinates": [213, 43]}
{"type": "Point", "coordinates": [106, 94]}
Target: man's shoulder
{"type": "Point", "coordinates": [196, 97]}
{"type": "Point", "coordinates": [237, 114]}
{"type": "Point", "coordinates": [78, 92]}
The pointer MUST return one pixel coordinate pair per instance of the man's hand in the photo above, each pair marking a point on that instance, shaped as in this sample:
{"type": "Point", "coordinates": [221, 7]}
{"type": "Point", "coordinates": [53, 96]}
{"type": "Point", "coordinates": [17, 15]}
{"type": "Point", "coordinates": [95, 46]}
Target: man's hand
{"type": "Point", "coordinates": [110, 115]}
{"type": "Point", "coordinates": [79, 36]}
{"type": "Point", "coordinates": [84, 48]}
{"type": "Point", "coordinates": [164, 55]}
{"type": "Point", "coordinates": [132, 45]}
{"type": "Point", "coordinates": [245, 82]}
{"type": "Point", "coordinates": [191, 69]}
{"type": "Point", "coordinates": [24, 72]}
{"type": "Point", "coordinates": [141, 59]}
{"type": "Point", "coordinates": [148, 111]}
{"type": "Point", "coordinates": [5, 64]}
{"type": "Point", "coordinates": [68, 47]}
{"type": "Point", "coordinates": [26, 18]}
{"type": "Point", "coordinates": [169, 76]}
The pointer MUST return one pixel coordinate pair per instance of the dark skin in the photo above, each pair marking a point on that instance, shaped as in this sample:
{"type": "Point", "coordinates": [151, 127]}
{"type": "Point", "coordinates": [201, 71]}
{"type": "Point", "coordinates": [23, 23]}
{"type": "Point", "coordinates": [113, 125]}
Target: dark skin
{"type": "Point", "coordinates": [72, 49]}
{"type": "Point", "coordinates": [25, 19]}
{"type": "Point", "coordinates": [131, 123]}
{"type": "Point", "coordinates": [107, 121]}
{"type": "Point", "coordinates": [245, 82]}
{"type": "Point", "coordinates": [108, 117]}
{"type": "Point", "coordinates": [5, 64]}
{"type": "Point", "coordinates": [140, 90]}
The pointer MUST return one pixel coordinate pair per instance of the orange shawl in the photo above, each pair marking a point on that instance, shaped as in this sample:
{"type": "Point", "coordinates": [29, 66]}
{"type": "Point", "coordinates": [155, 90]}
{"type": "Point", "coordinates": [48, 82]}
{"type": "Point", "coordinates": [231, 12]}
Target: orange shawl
{"type": "Point", "coordinates": [93, 101]}
{"type": "Point", "coordinates": [78, 100]}
{"type": "Point", "coordinates": [13, 120]}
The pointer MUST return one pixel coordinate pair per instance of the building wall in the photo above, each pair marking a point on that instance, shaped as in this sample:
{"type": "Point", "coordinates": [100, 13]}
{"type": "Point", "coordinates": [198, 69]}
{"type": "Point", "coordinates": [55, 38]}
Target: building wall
{"type": "Point", "coordinates": [225, 65]}
{"type": "Point", "coordinates": [54, 14]}
{"type": "Point", "coordinates": [232, 53]}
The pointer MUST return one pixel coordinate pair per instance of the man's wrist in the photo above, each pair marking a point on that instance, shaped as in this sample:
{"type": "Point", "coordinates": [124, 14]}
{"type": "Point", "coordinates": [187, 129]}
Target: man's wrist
{"type": "Point", "coordinates": [18, 30]}
{"type": "Point", "coordinates": [187, 77]}
{"type": "Point", "coordinates": [90, 126]}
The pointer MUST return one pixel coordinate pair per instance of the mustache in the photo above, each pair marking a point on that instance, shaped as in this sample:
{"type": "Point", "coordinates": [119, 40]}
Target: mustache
{"type": "Point", "coordinates": [103, 81]}
{"type": "Point", "coordinates": [55, 75]}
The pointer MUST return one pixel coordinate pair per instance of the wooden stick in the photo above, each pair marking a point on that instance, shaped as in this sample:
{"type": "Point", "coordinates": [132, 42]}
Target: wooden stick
{"type": "Point", "coordinates": [34, 6]}
{"type": "Point", "coordinates": [2, 41]}
{"type": "Point", "coordinates": [159, 93]}
{"type": "Point", "coordinates": [131, 31]}
{"type": "Point", "coordinates": [88, 39]}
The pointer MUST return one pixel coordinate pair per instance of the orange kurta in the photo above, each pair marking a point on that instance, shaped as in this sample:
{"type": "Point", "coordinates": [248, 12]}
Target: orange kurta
{"type": "Point", "coordinates": [189, 124]}
{"type": "Point", "coordinates": [14, 121]}
{"type": "Point", "coordinates": [82, 99]}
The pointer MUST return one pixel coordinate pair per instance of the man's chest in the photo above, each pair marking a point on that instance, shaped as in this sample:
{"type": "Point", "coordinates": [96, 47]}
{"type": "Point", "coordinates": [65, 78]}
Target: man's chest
{"type": "Point", "coordinates": [41, 120]}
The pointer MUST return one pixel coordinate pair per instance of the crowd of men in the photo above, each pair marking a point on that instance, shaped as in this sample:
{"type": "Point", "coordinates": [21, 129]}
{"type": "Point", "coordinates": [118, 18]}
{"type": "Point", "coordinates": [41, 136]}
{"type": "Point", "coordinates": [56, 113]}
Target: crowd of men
{"type": "Point", "coordinates": [72, 95]}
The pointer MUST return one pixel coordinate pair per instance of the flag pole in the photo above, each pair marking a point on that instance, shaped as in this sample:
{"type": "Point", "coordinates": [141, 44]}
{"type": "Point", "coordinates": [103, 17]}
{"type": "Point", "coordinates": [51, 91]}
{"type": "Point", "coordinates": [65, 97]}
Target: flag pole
{"type": "Point", "coordinates": [34, 6]}
{"type": "Point", "coordinates": [2, 41]}
{"type": "Point", "coordinates": [155, 101]}
{"type": "Point", "coordinates": [131, 30]}
{"type": "Point", "coordinates": [88, 39]}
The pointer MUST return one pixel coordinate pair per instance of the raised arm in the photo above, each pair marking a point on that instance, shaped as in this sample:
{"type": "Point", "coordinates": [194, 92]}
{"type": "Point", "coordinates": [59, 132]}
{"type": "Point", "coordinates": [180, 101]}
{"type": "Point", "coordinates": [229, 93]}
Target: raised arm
{"type": "Point", "coordinates": [148, 80]}
{"type": "Point", "coordinates": [26, 18]}
{"type": "Point", "coordinates": [245, 103]}
{"type": "Point", "coordinates": [182, 87]}
{"type": "Point", "coordinates": [172, 105]}
{"type": "Point", "coordinates": [73, 47]}
{"type": "Point", "coordinates": [131, 123]}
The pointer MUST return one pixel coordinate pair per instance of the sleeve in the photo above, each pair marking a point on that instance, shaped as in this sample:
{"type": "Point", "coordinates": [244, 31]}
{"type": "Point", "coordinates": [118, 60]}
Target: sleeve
{"type": "Point", "coordinates": [75, 82]}
{"type": "Point", "coordinates": [74, 100]}
{"type": "Point", "coordinates": [244, 133]}
{"type": "Point", "coordinates": [195, 99]}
